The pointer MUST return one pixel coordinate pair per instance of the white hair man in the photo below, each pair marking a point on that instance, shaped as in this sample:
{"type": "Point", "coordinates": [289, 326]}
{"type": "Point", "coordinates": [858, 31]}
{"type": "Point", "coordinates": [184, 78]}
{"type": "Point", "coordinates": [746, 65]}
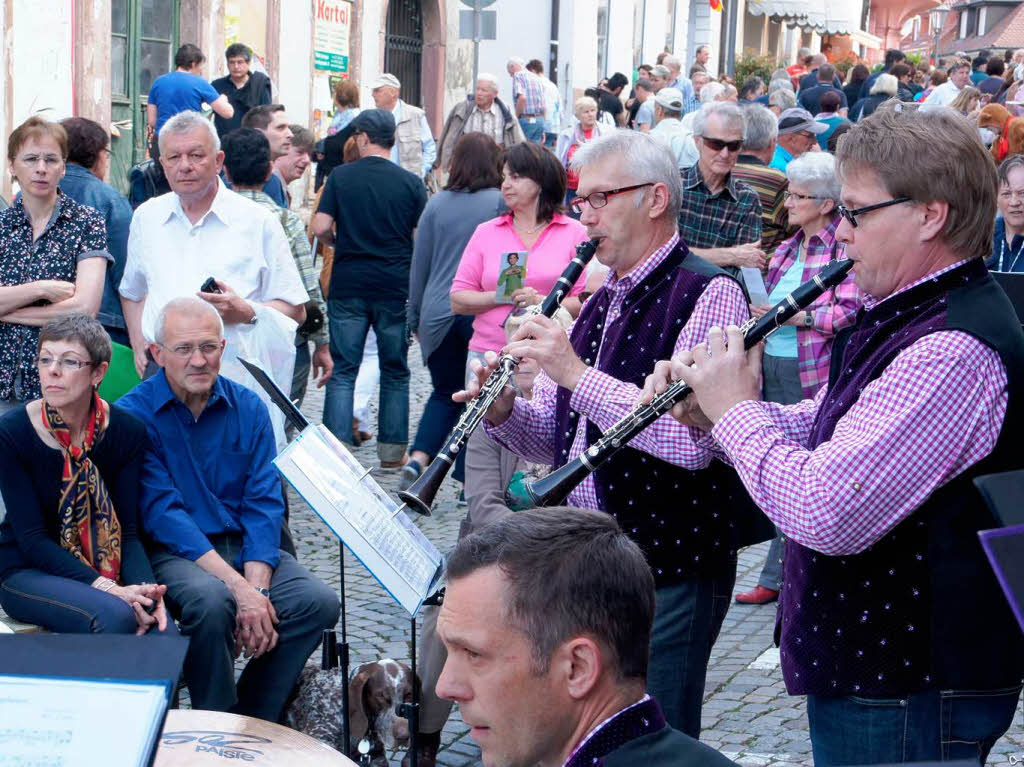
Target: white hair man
{"type": "Point", "coordinates": [629, 196]}
{"type": "Point", "coordinates": [482, 112]}
{"type": "Point", "coordinates": [762, 130]}
{"type": "Point", "coordinates": [528, 99]}
{"type": "Point", "coordinates": [414, 149]}
{"type": "Point", "coordinates": [201, 231]}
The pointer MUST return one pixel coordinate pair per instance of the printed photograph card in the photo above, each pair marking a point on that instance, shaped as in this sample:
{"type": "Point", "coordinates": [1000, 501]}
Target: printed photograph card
{"type": "Point", "coordinates": [511, 275]}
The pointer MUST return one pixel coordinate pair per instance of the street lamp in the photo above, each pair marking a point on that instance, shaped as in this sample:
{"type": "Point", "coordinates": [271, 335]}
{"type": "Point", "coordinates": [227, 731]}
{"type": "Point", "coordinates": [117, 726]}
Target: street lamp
{"type": "Point", "coordinates": [937, 18]}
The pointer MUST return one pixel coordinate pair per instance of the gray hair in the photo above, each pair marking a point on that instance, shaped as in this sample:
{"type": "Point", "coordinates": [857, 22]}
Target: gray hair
{"type": "Point", "coordinates": [487, 77]}
{"type": "Point", "coordinates": [886, 84]}
{"type": "Point", "coordinates": [82, 328]}
{"type": "Point", "coordinates": [817, 172]}
{"type": "Point", "coordinates": [781, 74]}
{"type": "Point", "coordinates": [762, 128]}
{"type": "Point", "coordinates": [186, 122]}
{"type": "Point", "coordinates": [187, 306]}
{"type": "Point", "coordinates": [728, 112]}
{"type": "Point", "coordinates": [660, 70]}
{"type": "Point", "coordinates": [711, 91]}
{"type": "Point", "coordinates": [780, 85]}
{"type": "Point", "coordinates": [672, 62]}
{"type": "Point", "coordinates": [782, 99]}
{"type": "Point", "coordinates": [644, 157]}
{"type": "Point", "coordinates": [583, 102]}
{"type": "Point", "coordinates": [516, 61]}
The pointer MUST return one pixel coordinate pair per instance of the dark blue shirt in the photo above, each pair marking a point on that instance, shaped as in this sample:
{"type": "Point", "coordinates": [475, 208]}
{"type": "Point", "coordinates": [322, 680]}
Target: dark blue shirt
{"type": "Point", "coordinates": [273, 188]}
{"type": "Point", "coordinates": [1006, 256]}
{"type": "Point", "coordinates": [810, 99]}
{"type": "Point", "coordinates": [208, 476]}
{"type": "Point", "coordinates": [179, 91]}
{"type": "Point", "coordinates": [82, 186]}
{"type": "Point", "coordinates": [810, 80]}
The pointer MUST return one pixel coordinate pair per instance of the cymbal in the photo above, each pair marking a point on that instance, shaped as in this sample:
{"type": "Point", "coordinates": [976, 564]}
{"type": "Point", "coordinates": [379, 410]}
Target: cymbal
{"type": "Point", "coordinates": [194, 738]}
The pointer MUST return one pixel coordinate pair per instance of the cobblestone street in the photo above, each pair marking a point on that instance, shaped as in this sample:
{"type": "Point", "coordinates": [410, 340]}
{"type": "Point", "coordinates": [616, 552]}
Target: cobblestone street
{"type": "Point", "coordinates": [747, 713]}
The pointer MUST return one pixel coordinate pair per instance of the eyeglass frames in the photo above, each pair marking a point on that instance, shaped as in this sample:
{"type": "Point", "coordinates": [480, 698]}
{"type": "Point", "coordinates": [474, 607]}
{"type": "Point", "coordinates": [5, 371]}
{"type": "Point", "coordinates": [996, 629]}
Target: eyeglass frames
{"type": "Point", "coordinates": [600, 199]}
{"type": "Point", "coordinates": [851, 215]}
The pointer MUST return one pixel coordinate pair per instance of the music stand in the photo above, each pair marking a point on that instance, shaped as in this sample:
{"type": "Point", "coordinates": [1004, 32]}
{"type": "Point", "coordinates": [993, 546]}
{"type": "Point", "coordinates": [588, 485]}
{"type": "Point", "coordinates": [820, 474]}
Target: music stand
{"type": "Point", "coordinates": [335, 654]}
{"type": "Point", "coordinates": [1004, 546]}
{"type": "Point", "coordinates": [409, 710]}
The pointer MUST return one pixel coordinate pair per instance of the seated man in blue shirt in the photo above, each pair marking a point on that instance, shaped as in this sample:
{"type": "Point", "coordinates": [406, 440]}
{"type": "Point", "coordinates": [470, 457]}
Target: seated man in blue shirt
{"type": "Point", "coordinates": [211, 502]}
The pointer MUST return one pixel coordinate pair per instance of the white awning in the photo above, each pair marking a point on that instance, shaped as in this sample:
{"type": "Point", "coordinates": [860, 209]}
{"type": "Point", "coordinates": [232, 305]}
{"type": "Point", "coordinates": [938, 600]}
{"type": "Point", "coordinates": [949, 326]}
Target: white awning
{"type": "Point", "coordinates": [793, 12]}
{"type": "Point", "coordinates": [841, 17]}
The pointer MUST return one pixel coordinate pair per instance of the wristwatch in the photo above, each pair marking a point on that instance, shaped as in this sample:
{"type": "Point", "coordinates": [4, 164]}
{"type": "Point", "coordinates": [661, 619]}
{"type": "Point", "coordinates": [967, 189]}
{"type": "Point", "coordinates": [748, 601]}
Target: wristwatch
{"type": "Point", "coordinates": [808, 320]}
{"type": "Point", "coordinates": [264, 592]}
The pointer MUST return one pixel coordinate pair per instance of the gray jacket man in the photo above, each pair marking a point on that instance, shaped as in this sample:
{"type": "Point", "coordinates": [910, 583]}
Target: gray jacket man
{"type": "Point", "coordinates": [482, 112]}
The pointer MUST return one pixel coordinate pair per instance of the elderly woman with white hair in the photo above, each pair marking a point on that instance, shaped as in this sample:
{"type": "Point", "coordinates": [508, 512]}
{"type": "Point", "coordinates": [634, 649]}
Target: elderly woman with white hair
{"type": "Point", "coordinates": [586, 128]}
{"type": "Point", "coordinates": [796, 357]}
{"type": "Point", "coordinates": [885, 87]}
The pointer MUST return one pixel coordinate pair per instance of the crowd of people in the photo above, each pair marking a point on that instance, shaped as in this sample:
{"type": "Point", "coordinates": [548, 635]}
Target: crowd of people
{"type": "Point", "coordinates": [569, 635]}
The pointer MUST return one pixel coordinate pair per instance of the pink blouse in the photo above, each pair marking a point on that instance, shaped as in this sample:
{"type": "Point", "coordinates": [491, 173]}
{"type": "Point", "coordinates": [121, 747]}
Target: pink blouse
{"type": "Point", "coordinates": [547, 259]}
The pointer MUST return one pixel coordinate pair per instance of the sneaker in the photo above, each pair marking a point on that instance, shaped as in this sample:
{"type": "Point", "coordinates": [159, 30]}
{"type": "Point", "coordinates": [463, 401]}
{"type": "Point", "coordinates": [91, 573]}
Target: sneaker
{"type": "Point", "coordinates": [462, 499]}
{"type": "Point", "coordinates": [759, 595]}
{"type": "Point", "coordinates": [410, 473]}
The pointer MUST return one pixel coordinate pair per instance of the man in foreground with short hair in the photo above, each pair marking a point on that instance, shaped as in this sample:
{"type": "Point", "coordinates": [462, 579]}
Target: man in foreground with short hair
{"type": "Point", "coordinates": [210, 501]}
{"type": "Point", "coordinates": [547, 622]}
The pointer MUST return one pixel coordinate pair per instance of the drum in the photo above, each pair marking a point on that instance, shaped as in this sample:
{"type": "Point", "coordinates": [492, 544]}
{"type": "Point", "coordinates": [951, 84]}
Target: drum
{"type": "Point", "coordinates": [196, 738]}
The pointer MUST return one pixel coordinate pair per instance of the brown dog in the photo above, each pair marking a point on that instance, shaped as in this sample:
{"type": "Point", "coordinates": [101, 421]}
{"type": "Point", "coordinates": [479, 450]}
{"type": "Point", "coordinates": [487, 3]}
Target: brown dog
{"type": "Point", "coordinates": [376, 691]}
{"type": "Point", "coordinates": [1008, 129]}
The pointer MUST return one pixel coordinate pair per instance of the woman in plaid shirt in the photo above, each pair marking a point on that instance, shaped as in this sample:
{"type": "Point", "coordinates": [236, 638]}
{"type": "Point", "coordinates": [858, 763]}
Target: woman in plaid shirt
{"type": "Point", "coordinates": [796, 357]}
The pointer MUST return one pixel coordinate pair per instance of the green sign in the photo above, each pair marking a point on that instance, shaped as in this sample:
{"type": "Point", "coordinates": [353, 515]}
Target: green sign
{"type": "Point", "coordinates": [331, 62]}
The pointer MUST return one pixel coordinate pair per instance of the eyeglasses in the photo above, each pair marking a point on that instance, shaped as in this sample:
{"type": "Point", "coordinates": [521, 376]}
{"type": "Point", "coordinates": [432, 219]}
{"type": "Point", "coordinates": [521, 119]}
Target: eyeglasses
{"type": "Point", "coordinates": [800, 197]}
{"type": "Point", "coordinates": [185, 351]}
{"type": "Point", "coordinates": [717, 144]}
{"type": "Point", "coordinates": [67, 364]}
{"type": "Point", "coordinates": [600, 199]}
{"type": "Point", "coordinates": [851, 215]}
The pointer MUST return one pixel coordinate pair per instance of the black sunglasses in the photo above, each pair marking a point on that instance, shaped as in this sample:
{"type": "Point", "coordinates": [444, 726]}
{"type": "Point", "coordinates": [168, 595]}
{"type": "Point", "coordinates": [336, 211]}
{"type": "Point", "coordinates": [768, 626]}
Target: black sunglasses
{"type": "Point", "coordinates": [851, 215]}
{"type": "Point", "coordinates": [717, 145]}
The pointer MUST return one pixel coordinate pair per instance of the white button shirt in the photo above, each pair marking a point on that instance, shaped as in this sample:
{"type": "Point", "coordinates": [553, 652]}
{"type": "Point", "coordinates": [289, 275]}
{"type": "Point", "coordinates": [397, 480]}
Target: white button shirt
{"type": "Point", "coordinates": [237, 242]}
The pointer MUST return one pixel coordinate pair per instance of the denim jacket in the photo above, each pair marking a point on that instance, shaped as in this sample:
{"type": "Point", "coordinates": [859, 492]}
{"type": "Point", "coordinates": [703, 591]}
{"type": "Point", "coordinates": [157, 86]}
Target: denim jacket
{"type": "Point", "coordinates": [83, 187]}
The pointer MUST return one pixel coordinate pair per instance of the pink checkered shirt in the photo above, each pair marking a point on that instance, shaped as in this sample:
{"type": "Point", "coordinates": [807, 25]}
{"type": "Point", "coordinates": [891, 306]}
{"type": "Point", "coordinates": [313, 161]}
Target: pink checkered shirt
{"type": "Point", "coordinates": [529, 85]}
{"type": "Point", "coordinates": [831, 312]}
{"type": "Point", "coordinates": [603, 400]}
{"type": "Point", "coordinates": [934, 412]}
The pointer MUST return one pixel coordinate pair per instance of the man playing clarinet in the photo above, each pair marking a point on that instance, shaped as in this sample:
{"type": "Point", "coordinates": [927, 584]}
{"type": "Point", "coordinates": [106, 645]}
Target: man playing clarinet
{"type": "Point", "coordinates": [891, 621]}
{"type": "Point", "coordinates": [657, 300]}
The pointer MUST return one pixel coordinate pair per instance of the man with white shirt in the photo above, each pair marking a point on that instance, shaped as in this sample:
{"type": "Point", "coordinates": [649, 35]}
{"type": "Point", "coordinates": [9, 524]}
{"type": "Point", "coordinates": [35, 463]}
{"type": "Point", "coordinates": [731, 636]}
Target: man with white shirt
{"type": "Point", "coordinates": [414, 149]}
{"type": "Point", "coordinates": [203, 230]}
{"type": "Point", "coordinates": [944, 95]}
{"type": "Point", "coordinates": [669, 129]}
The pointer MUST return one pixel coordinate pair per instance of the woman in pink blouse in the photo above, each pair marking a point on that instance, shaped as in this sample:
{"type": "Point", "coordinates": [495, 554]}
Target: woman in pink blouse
{"type": "Point", "coordinates": [533, 189]}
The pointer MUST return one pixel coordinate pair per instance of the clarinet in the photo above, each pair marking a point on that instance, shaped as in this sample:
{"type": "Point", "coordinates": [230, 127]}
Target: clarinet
{"type": "Point", "coordinates": [420, 494]}
{"type": "Point", "coordinates": [553, 489]}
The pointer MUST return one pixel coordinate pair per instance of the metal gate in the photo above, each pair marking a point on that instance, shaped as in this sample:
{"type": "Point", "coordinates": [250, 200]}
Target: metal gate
{"type": "Point", "coordinates": [403, 47]}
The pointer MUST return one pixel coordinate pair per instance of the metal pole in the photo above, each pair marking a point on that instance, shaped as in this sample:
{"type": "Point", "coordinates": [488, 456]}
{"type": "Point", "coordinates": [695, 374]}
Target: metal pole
{"type": "Point", "coordinates": [414, 713]}
{"type": "Point", "coordinates": [343, 651]}
{"type": "Point", "coordinates": [476, 54]}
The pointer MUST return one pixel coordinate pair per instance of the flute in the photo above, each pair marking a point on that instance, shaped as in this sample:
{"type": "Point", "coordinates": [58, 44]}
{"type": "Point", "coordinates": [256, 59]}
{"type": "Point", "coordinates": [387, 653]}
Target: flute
{"type": "Point", "coordinates": [420, 494]}
{"type": "Point", "coordinates": [553, 489]}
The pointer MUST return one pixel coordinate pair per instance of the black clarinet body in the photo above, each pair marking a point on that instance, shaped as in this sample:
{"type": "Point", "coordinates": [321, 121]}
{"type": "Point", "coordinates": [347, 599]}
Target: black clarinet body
{"type": "Point", "coordinates": [420, 494]}
{"type": "Point", "coordinates": [553, 489]}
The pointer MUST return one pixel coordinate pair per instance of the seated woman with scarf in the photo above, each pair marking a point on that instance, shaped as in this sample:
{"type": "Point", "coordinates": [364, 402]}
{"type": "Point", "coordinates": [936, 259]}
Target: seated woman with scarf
{"type": "Point", "coordinates": [70, 556]}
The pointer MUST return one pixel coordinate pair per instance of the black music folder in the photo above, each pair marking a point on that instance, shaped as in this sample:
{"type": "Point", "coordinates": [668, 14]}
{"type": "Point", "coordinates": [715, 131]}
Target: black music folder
{"type": "Point", "coordinates": [1004, 546]}
{"type": "Point", "coordinates": [1013, 285]}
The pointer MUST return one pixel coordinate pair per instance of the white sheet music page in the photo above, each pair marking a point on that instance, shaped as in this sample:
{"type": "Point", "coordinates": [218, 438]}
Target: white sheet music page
{"type": "Point", "coordinates": [67, 722]}
{"type": "Point", "coordinates": [362, 515]}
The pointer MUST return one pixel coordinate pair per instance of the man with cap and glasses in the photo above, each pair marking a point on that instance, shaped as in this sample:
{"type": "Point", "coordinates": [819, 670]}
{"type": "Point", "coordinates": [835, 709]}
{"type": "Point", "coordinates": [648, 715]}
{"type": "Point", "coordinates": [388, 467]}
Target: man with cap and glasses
{"type": "Point", "coordinates": [798, 132]}
{"type": "Point", "coordinates": [645, 114]}
{"type": "Point", "coordinates": [414, 148]}
{"type": "Point", "coordinates": [669, 128]}
{"type": "Point", "coordinates": [368, 211]}
{"type": "Point", "coordinates": [720, 218]}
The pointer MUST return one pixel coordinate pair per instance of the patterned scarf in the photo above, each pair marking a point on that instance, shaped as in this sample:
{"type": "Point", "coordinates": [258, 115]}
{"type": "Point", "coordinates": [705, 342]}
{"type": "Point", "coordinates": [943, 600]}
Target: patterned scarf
{"type": "Point", "coordinates": [89, 527]}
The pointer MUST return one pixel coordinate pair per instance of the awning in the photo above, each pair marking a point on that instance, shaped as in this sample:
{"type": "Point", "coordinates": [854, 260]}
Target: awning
{"type": "Point", "coordinates": [841, 17]}
{"type": "Point", "coordinates": [792, 12]}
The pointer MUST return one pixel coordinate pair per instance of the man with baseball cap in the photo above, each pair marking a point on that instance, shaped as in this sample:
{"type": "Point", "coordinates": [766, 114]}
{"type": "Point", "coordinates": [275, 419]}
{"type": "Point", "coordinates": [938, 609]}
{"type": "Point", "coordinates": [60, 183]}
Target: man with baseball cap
{"type": "Point", "coordinates": [669, 128]}
{"type": "Point", "coordinates": [797, 134]}
{"type": "Point", "coordinates": [414, 148]}
{"type": "Point", "coordinates": [368, 212]}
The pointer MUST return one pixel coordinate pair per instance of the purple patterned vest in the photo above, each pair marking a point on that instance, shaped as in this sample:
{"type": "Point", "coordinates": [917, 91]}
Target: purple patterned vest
{"type": "Point", "coordinates": [920, 608]}
{"type": "Point", "coordinates": [686, 522]}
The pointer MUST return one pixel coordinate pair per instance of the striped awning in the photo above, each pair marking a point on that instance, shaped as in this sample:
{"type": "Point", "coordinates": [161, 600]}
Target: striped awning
{"type": "Point", "coordinates": [793, 12]}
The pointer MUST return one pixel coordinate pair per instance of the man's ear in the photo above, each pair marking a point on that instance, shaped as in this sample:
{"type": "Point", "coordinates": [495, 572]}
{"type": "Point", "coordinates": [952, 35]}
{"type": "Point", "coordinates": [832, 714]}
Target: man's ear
{"type": "Point", "coordinates": [156, 351]}
{"type": "Point", "coordinates": [584, 665]}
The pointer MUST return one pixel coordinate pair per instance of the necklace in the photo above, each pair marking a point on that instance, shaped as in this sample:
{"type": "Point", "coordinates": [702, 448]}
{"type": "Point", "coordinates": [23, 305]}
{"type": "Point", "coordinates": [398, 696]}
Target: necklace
{"type": "Point", "coordinates": [537, 228]}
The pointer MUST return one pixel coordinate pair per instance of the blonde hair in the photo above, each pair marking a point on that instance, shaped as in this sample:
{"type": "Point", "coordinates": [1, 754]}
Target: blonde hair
{"type": "Point", "coordinates": [962, 102]}
{"type": "Point", "coordinates": [929, 155]}
{"type": "Point", "coordinates": [583, 102]}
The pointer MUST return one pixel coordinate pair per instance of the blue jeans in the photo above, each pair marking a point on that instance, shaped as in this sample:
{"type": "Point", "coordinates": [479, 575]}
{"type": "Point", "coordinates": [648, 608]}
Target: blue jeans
{"type": "Point", "coordinates": [446, 365]}
{"type": "Point", "coordinates": [350, 320]}
{"type": "Point", "coordinates": [928, 726]}
{"type": "Point", "coordinates": [687, 619]}
{"type": "Point", "coordinates": [67, 606]}
{"type": "Point", "coordinates": [533, 129]}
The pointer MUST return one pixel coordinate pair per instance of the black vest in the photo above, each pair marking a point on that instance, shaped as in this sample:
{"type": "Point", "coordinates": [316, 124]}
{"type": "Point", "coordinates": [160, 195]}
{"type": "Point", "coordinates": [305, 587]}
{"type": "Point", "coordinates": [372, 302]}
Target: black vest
{"type": "Point", "coordinates": [920, 608]}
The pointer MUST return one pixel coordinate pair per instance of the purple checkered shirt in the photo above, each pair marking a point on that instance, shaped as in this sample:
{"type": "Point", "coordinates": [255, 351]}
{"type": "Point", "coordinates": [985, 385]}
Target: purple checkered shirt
{"type": "Point", "coordinates": [529, 85]}
{"type": "Point", "coordinates": [934, 412]}
{"type": "Point", "coordinates": [603, 400]}
{"type": "Point", "coordinates": [831, 312]}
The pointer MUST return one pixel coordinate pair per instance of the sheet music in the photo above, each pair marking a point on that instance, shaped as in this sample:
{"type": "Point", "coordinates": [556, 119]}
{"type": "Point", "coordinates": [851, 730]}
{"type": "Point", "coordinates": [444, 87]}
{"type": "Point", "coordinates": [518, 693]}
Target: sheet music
{"type": "Point", "coordinates": [67, 722]}
{"type": "Point", "coordinates": [362, 515]}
